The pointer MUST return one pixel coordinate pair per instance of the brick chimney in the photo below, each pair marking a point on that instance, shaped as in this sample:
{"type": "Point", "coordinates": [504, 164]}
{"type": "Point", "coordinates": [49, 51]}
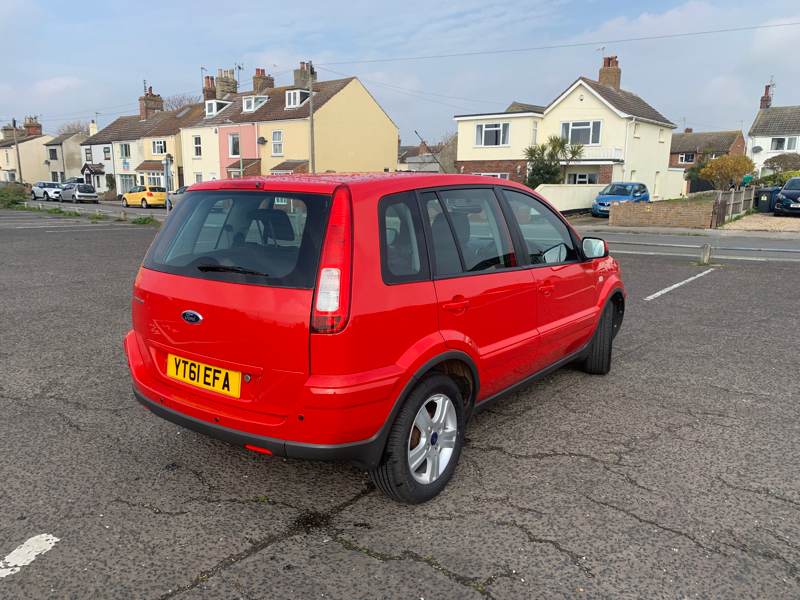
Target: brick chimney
{"type": "Point", "coordinates": [610, 73]}
{"type": "Point", "coordinates": [226, 83]}
{"type": "Point", "coordinates": [209, 88]}
{"type": "Point", "coordinates": [8, 132]}
{"type": "Point", "coordinates": [150, 104]}
{"type": "Point", "coordinates": [304, 75]}
{"type": "Point", "coordinates": [262, 81]}
{"type": "Point", "coordinates": [688, 130]}
{"type": "Point", "coordinates": [766, 99]}
{"type": "Point", "coordinates": [32, 126]}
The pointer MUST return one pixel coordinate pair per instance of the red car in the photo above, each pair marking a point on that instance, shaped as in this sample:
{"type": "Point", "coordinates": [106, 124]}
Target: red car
{"type": "Point", "coordinates": [363, 317]}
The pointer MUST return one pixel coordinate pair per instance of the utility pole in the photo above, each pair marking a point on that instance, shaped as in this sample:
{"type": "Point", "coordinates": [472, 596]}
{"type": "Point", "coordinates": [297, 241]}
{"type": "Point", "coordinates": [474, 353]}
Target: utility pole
{"type": "Point", "coordinates": [433, 154]}
{"type": "Point", "coordinates": [16, 147]}
{"type": "Point", "coordinates": [312, 167]}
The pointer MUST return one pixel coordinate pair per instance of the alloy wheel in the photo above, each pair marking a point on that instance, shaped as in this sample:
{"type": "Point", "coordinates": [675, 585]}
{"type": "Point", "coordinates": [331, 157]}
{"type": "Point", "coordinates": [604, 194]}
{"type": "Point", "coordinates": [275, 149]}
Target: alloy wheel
{"type": "Point", "coordinates": [432, 439]}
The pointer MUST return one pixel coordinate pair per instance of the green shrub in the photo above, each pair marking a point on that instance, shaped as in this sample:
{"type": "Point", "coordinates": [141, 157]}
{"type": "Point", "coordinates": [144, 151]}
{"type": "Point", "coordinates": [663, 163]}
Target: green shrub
{"type": "Point", "coordinates": [145, 220]}
{"type": "Point", "coordinates": [776, 179]}
{"type": "Point", "coordinates": [11, 195]}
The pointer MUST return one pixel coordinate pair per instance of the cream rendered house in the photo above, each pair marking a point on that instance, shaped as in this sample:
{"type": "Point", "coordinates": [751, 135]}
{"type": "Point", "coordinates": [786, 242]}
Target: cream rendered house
{"type": "Point", "coordinates": [32, 155]}
{"type": "Point", "coordinates": [63, 155]}
{"type": "Point", "coordinates": [623, 138]}
{"type": "Point", "coordinates": [199, 154]}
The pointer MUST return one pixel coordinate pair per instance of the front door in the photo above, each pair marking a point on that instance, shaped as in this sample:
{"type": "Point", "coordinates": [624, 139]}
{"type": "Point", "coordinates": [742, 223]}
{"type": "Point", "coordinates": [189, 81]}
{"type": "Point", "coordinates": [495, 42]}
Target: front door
{"type": "Point", "coordinates": [567, 286]}
{"type": "Point", "coordinates": [486, 303]}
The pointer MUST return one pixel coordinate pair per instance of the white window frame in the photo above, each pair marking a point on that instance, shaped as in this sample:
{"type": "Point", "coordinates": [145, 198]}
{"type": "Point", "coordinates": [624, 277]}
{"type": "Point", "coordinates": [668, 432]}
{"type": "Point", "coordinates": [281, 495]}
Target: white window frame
{"type": "Point", "coordinates": [214, 107]}
{"type": "Point", "coordinates": [198, 177]}
{"type": "Point", "coordinates": [682, 158]}
{"type": "Point", "coordinates": [159, 146]}
{"type": "Point", "coordinates": [106, 152]}
{"type": "Point", "coordinates": [504, 129]}
{"type": "Point", "coordinates": [294, 98]}
{"type": "Point", "coordinates": [495, 175]}
{"type": "Point", "coordinates": [661, 135]}
{"type": "Point", "coordinates": [277, 144]}
{"type": "Point", "coordinates": [197, 143]}
{"type": "Point", "coordinates": [252, 103]}
{"type": "Point", "coordinates": [155, 178]}
{"type": "Point", "coordinates": [581, 178]}
{"type": "Point", "coordinates": [230, 145]}
{"type": "Point", "coordinates": [789, 144]}
{"type": "Point", "coordinates": [88, 154]}
{"type": "Point", "coordinates": [124, 150]}
{"type": "Point", "coordinates": [572, 125]}
{"type": "Point", "coordinates": [52, 153]}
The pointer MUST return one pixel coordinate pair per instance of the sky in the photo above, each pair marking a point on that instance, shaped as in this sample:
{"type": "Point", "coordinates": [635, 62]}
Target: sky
{"type": "Point", "coordinates": [73, 59]}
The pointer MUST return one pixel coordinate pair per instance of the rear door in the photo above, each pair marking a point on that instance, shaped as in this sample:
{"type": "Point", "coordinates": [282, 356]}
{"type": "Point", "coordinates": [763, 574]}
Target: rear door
{"type": "Point", "coordinates": [567, 286]}
{"type": "Point", "coordinates": [245, 262]}
{"type": "Point", "coordinates": [486, 302]}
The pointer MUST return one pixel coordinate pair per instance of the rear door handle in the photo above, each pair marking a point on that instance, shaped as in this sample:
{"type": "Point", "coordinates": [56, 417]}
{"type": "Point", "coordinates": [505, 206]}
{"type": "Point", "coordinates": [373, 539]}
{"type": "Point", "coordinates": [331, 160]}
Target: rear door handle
{"type": "Point", "coordinates": [547, 288]}
{"type": "Point", "coordinates": [457, 305]}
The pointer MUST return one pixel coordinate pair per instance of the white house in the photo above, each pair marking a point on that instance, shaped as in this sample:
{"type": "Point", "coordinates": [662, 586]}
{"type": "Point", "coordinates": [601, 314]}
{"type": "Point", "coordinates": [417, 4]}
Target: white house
{"type": "Point", "coordinates": [775, 130]}
{"type": "Point", "coordinates": [97, 157]}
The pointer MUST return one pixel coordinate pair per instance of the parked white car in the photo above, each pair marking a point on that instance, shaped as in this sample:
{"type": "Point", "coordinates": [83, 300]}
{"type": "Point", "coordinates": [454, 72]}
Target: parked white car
{"type": "Point", "coordinates": [46, 190]}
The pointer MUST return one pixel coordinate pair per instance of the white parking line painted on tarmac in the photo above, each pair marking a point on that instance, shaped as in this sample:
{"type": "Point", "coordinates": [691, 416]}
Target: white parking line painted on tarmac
{"type": "Point", "coordinates": [52, 225]}
{"type": "Point", "coordinates": [676, 285]}
{"type": "Point", "coordinates": [26, 553]}
{"type": "Point", "coordinates": [113, 228]}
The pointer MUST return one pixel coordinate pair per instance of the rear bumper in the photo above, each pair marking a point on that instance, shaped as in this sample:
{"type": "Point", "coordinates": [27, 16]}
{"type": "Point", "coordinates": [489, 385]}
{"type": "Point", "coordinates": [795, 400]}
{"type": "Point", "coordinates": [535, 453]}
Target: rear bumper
{"type": "Point", "coordinates": [365, 454]}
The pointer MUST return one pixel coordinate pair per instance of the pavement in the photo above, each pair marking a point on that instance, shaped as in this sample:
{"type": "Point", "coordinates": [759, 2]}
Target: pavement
{"type": "Point", "coordinates": [674, 476]}
{"type": "Point", "coordinates": [110, 208]}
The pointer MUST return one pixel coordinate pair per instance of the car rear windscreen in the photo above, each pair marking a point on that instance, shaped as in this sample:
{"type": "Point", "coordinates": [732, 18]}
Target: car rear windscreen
{"type": "Point", "coordinates": [85, 188]}
{"type": "Point", "coordinates": [253, 237]}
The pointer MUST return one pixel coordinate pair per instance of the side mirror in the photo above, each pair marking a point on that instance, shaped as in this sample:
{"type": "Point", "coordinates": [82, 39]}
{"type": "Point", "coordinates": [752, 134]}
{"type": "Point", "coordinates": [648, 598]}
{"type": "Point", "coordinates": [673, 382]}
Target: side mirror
{"type": "Point", "coordinates": [594, 248]}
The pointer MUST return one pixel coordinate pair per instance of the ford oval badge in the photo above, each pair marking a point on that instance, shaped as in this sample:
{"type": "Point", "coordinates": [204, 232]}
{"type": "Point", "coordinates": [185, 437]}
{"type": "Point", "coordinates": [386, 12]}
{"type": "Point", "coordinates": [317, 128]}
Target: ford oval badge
{"type": "Point", "coordinates": [191, 316]}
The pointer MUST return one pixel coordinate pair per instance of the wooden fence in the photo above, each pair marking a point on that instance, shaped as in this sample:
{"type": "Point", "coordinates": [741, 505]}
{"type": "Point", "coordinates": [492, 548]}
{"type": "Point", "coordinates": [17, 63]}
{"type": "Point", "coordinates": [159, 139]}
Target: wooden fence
{"type": "Point", "coordinates": [729, 205]}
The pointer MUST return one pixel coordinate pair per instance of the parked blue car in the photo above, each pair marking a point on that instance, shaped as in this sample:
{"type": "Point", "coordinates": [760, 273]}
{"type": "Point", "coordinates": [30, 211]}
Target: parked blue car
{"type": "Point", "coordinates": [788, 199]}
{"type": "Point", "coordinates": [619, 191]}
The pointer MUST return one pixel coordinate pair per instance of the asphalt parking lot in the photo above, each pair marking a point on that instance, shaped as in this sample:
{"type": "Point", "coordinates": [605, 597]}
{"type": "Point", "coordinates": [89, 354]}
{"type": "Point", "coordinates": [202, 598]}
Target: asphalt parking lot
{"type": "Point", "coordinates": [674, 476]}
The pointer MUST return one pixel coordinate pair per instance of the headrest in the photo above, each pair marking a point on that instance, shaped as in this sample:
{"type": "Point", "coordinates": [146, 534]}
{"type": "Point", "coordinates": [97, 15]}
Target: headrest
{"type": "Point", "coordinates": [276, 223]}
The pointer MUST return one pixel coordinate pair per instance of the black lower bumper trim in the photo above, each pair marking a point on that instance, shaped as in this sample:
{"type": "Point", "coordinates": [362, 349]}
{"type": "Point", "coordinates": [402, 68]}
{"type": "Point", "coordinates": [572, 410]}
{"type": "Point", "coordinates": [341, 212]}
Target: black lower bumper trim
{"type": "Point", "coordinates": [364, 454]}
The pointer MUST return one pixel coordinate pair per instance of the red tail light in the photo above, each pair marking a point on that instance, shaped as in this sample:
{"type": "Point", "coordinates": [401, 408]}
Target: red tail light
{"type": "Point", "coordinates": [332, 296]}
{"type": "Point", "coordinates": [149, 193]}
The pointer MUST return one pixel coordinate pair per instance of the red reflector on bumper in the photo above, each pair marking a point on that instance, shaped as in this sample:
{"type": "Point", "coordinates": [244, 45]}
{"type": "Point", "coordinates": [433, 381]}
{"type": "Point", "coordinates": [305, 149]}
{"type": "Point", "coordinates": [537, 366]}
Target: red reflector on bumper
{"type": "Point", "coordinates": [258, 449]}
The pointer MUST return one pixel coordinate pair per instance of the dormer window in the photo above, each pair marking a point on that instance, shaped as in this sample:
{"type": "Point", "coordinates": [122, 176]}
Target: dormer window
{"type": "Point", "coordinates": [252, 103]}
{"type": "Point", "coordinates": [295, 98]}
{"type": "Point", "coordinates": [214, 107]}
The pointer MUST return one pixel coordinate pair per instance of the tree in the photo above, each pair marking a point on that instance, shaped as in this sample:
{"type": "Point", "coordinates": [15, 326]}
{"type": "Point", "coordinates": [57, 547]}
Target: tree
{"type": "Point", "coordinates": [74, 127]}
{"type": "Point", "coordinates": [548, 162]}
{"type": "Point", "coordinates": [727, 170]}
{"type": "Point", "coordinates": [177, 101]}
{"type": "Point", "coordinates": [789, 161]}
{"type": "Point", "coordinates": [447, 152]}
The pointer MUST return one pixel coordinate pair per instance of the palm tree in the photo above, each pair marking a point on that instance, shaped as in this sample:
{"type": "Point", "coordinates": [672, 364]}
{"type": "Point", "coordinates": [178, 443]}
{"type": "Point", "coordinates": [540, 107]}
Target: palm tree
{"type": "Point", "coordinates": [550, 158]}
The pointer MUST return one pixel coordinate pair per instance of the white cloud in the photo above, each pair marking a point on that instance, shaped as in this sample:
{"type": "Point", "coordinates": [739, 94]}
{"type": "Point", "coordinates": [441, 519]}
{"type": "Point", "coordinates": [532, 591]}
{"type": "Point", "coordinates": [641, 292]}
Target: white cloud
{"type": "Point", "coordinates": [55, 85]}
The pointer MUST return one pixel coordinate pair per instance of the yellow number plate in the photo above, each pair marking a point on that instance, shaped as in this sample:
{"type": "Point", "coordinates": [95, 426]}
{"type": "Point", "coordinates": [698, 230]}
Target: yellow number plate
{"type": "Point", "coordinates": [204, 376]}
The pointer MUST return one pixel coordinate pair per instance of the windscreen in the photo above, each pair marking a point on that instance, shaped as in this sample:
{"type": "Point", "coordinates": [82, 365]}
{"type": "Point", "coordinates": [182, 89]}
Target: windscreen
{"type": "Point", "coordinates": [792, 184]}
{"type": "Point", "coordinates": [85, 188]}
{"type": "Point", "coordinates": [253, 237]}
{"type": "Point", "coordinates": [617, 189]}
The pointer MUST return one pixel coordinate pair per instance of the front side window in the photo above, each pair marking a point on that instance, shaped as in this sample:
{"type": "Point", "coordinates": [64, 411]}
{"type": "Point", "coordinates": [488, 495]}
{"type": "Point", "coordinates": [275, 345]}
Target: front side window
{"type": "Point", "coordinates": [159, 146]}
{"type": "Point", "coordinates": [244, 237]}
{"type": "Point", "coordinates": [491, 134]}
{"type": "Point", "coordinates": [277, 143]}
{"type": "Point", "coordinates": [53, 152]}
{"type": "Point", "coordinates": [233, 144]}
{"type": "Point", "coordinates": [470, 218]}
{"type": "Point", "coordinates": [403, 257]}
{"type": "Point", "coordinates": [125, 150]}
{"type": "Point", "coordinates": [198, 146]}
{"type": "Point", "coordinates": [581, 132]}
{"type": "Point", "coordinates": [547, 239]}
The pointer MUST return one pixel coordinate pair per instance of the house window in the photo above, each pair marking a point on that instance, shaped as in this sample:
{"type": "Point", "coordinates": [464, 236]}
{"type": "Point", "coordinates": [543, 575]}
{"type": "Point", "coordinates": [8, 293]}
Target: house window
{"type": "Point", "coordinates": [496, 175]}
{"type": "Point", "coordinates": [788, 143]}
{"type": "Point", "coordinates": [126, 182]}
{"type": "Point", "coordinates": [154, 178]}
{"type": "Point", "coordinates": [233, 144]}
{"type": "Point", "coordinates": [214, 107]}
{"type": "Point", "coordinates": [106, 152]}
{"type": "Point", "coordinates": [53, 154]}
{"type": "Point", "coordinates": [277, 143]}
{"type": "Point", "coordinates": [295, 98]}
{"type": "Point", "coordinates": [159, 146]}
{"type": "Point", "coordinates": [251, 103]}
{"type": "Point", "coordinates": [581, 132]}
{"type": "Point", "coordinates": [582, 178]}
{"type": "Point", "coordinates": [125, 150]}
{"type": "Point", "coordinates": [685, 158]}
{"type": "Point", "coordinates": [491, 134]}
{"type": "Point", "coordinates": [198, 177]}
{"type": "Point", "coordinates": [53, 175]}
{"type": "Point", "coordinates": [88, 154]}
{"type": "Point", "coordinates": [661, 134]}
{"type": "Point", "coordinates": [198, 146]}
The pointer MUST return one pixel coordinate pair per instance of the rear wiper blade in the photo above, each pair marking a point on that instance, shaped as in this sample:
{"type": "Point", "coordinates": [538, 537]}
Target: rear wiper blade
{"type": "Point", "coordinates": [229, 269]}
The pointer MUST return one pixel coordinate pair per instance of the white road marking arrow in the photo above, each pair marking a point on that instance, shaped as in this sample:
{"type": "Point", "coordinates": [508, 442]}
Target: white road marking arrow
{"type": "Point", "coordinates": [26, 553]}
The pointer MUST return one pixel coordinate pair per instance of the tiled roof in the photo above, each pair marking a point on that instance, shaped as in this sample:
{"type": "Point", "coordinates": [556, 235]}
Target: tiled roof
{"type": "Point", "coordinates": [245, 162]}
{"type": "Point", "coordinates": [524, 107]}
{"type": "Point", "coordinates": [133, 128]}
{"type": "Point", "coordinates": [777, 120]}
{"type": "Point", "coordinates": [289, 165]}
{"type": "Point", "coordinates": [94, 168]}
{"type": "Point", "coordinates": [705, 141]}
{"type": "Point", "coordinates": [627, 102]}
{"type": "Point", "coordinates": [20, 140]}
{"type": "Point", "coordinates": [150, 165]}
{"type": "Point", "coordinates": [58, 140]}
{"type": "Point", "coordinates": [274, 109]}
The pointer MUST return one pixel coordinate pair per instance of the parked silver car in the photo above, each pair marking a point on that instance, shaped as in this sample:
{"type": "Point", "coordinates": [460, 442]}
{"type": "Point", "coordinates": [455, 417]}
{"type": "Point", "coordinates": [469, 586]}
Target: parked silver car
{"type": "Point", "coordinates": [173, 198]}
{"type": "Point", "coordinates": [78, 192]}
{"type": "Point", "coordinates": [46, 190]}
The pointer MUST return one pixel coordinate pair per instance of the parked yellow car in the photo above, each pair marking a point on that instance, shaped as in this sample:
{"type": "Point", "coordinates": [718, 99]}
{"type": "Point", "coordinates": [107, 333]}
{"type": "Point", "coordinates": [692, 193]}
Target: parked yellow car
{"type": "Point", "coordinates": [145, 196]}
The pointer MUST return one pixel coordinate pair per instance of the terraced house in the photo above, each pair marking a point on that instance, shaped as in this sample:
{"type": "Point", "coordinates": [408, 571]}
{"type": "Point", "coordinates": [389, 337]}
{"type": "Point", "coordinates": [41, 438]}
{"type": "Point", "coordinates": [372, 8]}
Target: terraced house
{"type": "Point", "coordinates": [624, 138]}
{"type": "Point", "coordinates": [267, 130]}
{"type": "Point", "coordinates": [27, 141]}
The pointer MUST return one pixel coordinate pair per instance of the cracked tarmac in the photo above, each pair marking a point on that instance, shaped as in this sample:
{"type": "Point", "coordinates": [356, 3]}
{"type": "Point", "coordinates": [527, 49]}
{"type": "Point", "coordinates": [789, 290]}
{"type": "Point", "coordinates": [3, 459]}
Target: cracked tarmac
{"type": "Point", "coordinates": [674, 476]}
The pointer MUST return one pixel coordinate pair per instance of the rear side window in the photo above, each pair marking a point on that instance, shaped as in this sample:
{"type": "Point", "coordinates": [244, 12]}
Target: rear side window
{"type": "Point", "coordinates": [482, 240]}
{"type": "Point", "coordinates": [546, 237]}
{"type": "Point", "coordinates": [262, 238]}
{"type": "Point", "coordinates": [403, 254]}
{"type": "Point", "coordinates": [157, 189]}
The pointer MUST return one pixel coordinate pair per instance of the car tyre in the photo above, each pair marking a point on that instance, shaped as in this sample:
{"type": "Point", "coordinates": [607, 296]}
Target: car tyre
{"type": "Point", "coordinates": [598, 357]}
{"type": "Point", "coordinates": [124, 202]}
{"type": "Point", "coordinates": [393, 475]}
{"type": "Point", "coordinates": [46, 197]}
{"type": "Point", "coordinates": [144, 203]}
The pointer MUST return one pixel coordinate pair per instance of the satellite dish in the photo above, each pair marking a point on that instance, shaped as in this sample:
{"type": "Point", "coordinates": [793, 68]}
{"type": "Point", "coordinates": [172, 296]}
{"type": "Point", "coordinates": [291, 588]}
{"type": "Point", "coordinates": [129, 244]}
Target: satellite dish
{"type": "Point", "coordinates": [757, 149]}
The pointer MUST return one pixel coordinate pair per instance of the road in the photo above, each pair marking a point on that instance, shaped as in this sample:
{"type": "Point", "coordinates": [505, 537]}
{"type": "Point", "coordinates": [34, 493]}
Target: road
{"type": "Point", "coordinates": [673, 476]}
